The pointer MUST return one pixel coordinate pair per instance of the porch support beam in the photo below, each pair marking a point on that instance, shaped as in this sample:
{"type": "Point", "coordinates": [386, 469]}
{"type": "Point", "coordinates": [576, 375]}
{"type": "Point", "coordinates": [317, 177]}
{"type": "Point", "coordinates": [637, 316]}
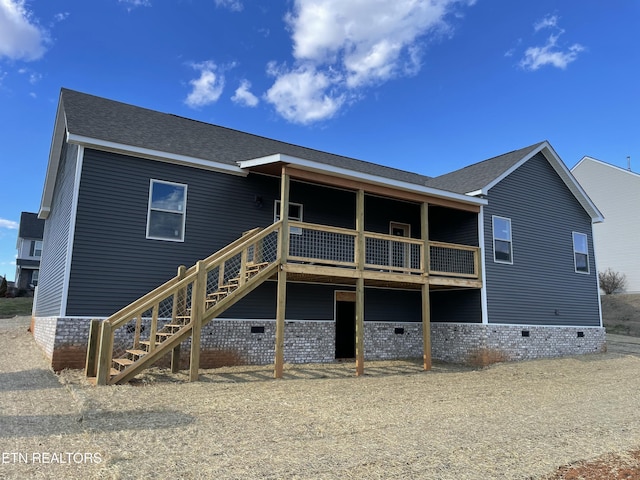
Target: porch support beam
{"type": "Point", "coordinates": [360, 260]}
{"type": "Point", "coordinates": [426, 303]}
{"type": "Point", "coordinates": [283, 251]}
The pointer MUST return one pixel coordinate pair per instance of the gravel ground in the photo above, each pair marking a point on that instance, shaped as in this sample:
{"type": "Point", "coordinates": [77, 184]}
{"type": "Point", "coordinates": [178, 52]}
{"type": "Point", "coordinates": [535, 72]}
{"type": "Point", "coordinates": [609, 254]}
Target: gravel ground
{"type": "Point", "coordinates": [512, 421]}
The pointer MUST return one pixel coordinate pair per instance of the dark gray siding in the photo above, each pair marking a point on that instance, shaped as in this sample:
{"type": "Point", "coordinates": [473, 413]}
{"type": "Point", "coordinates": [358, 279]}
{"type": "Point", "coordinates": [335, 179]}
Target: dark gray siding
{"type": "Point", "coordinates": [317, 302]}
{"type": "Point", "coordinates": [379, 212]}
{"type": "Point", "coordinates": [56, 236]}
{"type": "Point", "coordinates": [113, 261]}
{"type": "Point", "coordinates": [456, 306]}
{"type": "Point", "coordinates": [453, 226]}
{"type": "Point", "coordinates": [541, 287]}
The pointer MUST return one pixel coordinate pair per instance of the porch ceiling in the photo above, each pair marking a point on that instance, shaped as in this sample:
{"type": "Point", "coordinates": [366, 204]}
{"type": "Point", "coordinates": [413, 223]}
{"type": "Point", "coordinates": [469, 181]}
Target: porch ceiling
{"type": "Point", "coordinates": [275, 169]}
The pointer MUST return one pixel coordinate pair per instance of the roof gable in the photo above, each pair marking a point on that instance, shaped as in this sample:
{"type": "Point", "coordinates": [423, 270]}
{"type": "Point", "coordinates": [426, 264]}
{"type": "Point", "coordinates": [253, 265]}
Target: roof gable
{"type": "Point", "coordinates": [479, 178]}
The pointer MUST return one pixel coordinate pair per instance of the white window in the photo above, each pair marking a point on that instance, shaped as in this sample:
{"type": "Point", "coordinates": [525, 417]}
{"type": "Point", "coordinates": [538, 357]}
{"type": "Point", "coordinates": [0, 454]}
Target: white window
{"type": "Point", "coordinates": [167, 211]}
{"type": "Point", "coordinates": [36, 248]}
{"type": "Point", "coordinates": [580, 252]}
{"type": "Point", "coordinates": [34, 277]}
{"type": "Point", "coordinates": [295, 214]}
{"type": "Point", "coordinates": [502, 244]}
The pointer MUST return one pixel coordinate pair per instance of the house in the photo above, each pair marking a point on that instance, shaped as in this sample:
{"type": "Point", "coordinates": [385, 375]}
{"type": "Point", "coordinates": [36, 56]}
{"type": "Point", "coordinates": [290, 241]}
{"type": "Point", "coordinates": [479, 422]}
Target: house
{"type": "Point", "coordinates": [164, 233]}
{"type": "Point", "coordinates": [29, 246]}
{"type": "Point", "coordinates": [616, 192]}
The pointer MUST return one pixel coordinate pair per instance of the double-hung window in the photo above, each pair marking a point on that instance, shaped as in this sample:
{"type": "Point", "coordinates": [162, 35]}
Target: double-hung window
{"type": "Point", "coordinates": [580, 252]}
{"type": "Point", "coordinates": [167, 211]}
{"type": "Point", "coordinates": [36, 248]}
{"type": "Point", "coordinates": [502, 243]}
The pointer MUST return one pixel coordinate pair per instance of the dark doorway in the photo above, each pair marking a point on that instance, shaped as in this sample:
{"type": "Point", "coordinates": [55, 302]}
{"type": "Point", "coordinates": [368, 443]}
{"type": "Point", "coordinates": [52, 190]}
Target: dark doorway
{"type": "Point", "coordinates": [345, 329]}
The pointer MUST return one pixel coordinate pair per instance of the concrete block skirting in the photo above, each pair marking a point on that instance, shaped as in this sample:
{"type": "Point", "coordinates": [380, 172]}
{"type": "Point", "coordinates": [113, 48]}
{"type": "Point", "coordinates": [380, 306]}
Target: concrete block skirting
{"type": "Point", "coordinates": [252, 342]}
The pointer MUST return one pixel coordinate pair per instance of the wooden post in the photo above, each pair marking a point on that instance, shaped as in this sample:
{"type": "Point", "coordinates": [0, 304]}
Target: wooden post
{"type": "Point", "coordinates": [179, 308]}
{"type": "Point", "coordinates": [283, 252]}
{"type": "Point", "coordinates": [280, 315]}
{"type": "Point", "coordinates": [426, 303]}
{"type": "Point", "coordinates": [154, 328]}
{"type": "Point", "coordinates": [197, 310]}
{"type": "Point", "coordinates": [106, 351]}
{"type": "Point", "coordinates": [90, 367]}
{"type": "Point", "coordinates": [360, 283]}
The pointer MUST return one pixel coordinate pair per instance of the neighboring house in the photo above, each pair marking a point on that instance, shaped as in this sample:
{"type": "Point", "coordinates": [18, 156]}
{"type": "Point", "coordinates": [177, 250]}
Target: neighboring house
{"type": "Point", "coordinates": [378, 263]}
{"type": "Point", "coordinates": [29, 246]}
{"type": "Point", "coordinates": [616, 192]}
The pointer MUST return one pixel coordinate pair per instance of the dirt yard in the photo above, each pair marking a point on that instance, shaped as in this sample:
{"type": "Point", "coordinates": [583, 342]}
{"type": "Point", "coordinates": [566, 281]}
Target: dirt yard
{"type": "Point", "coordinates": [509, 421]}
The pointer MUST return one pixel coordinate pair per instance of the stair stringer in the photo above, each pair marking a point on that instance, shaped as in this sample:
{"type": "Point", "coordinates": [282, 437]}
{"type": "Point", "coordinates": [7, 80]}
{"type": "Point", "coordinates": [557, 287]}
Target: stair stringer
{"type": "Point", "coordinates": [210, 314]}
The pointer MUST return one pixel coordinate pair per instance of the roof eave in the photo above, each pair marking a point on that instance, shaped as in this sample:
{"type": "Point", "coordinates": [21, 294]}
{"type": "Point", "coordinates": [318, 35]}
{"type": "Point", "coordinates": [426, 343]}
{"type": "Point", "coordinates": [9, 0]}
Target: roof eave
{"type": "Point", "coordinates": [355, 175]}
{"type": "Point", "coordinates": [60, 127]}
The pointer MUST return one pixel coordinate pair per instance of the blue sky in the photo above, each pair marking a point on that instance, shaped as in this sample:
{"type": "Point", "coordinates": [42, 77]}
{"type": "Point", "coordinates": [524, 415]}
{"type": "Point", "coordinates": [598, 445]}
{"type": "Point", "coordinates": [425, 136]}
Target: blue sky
{"type": "Point", "coordinates": [423, 85]}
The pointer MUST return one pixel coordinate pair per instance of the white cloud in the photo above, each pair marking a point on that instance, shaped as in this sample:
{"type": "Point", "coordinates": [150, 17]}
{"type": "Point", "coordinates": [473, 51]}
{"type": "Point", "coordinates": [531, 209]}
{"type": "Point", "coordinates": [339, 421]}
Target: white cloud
{"type": "Point", "coordinates": [303, 95]}
{"type": "Point", "coordinates": [243, 95]}
{"type": "Point", "coordinates": [341, 47]}
{"type": "Point", "coordinates": [551, 53]}
{"type": "Point", "coordinates": [550, 21]}
{"type": "Point", "coordinates": [21, 38]}
{"type": "Point", "coordinates": [136, 3]}
{"type": "Point", "coordinates": [60, 17]}
{"type": "Point", "coordinates": [233, 5]}
{"type": "Point", "coordinates": [207, 88]}
{"type": "Point", "coordinates": [10, 224]}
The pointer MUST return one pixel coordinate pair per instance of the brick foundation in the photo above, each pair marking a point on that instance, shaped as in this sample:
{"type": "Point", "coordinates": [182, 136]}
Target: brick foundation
{"type": "Point", "coordinates": [226, 342]}
{"type": "Point", "coordinates": [458, 342]}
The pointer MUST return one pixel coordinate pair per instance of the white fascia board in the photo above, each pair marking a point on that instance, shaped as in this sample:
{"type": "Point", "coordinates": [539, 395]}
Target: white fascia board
{"type": "Point", "coordinates": [564, 173]}
{"type": "Point", "coordinates": [352, 174]}
{"type": "Point", "coordinates": [155, 154]}
{"type": "Point", "coordinates": [55, 151]}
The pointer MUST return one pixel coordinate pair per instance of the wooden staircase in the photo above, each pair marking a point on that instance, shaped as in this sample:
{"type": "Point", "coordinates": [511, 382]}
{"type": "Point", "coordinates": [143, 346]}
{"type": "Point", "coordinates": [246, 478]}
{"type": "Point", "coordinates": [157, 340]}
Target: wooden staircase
{"type": "Point", "coordinates": [121, 348]}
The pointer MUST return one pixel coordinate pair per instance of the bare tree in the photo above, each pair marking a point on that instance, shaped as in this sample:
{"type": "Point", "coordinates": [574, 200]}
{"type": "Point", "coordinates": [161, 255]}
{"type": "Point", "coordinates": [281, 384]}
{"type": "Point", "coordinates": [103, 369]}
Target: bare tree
{"type": "Point", "coordinates": [612, 282]}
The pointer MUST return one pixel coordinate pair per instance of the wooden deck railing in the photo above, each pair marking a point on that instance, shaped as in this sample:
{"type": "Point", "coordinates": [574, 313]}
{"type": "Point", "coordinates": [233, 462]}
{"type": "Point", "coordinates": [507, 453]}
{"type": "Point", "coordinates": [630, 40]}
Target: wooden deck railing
{"type": "Point", "coordinates": [334, 246]}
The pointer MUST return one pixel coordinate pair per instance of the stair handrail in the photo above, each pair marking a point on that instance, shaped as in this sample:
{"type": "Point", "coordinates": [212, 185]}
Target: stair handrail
{"type": "Point", "coordinates": [148, 300]}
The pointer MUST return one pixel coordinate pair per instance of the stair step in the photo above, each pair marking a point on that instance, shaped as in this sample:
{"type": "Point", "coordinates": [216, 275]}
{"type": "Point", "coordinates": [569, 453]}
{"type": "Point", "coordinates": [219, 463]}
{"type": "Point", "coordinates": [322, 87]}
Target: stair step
{"type": "Point", "coordinates": [114, 371]}
{"type": "Point", "coordinates": [125, 362]}
{"type": "Point", "coordinates": [173, 326]}
{"type": "Point", "coordinates": [164, 334]}
{"type": "Point", "coordinates": [137, 353]}
{"type": "Point", "coordinates": [147, 344]}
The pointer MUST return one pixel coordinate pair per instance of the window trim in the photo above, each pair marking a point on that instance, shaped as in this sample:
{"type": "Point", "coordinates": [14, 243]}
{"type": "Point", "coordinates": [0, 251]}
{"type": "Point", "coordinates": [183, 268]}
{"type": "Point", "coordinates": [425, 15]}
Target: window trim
{"type": "Point", "coordinates": [276, 216]}
{"type": "Point", "coordinates": [576, 252]}
{"type": "Point", "coordinates": [493, 234]}
{"type": "Point", "coordinates": [183, 212]}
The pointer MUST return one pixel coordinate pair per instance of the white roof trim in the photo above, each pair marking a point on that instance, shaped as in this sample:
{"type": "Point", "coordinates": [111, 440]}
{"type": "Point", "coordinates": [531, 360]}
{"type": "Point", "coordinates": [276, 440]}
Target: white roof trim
{"type": "Point", "coordinates": [59, 130]}
{"type": "Point", "coordinates": [352, 174]}
{"type": "Point", "coordinates": [154, 154]}
{"type": "Point", "coordinates": [562, 171]}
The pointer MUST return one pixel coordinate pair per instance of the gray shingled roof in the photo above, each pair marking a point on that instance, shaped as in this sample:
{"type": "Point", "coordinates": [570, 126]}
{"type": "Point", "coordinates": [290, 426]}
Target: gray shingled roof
{"type": "Point", "coordinates": [479, 175]}
{"type": "Point", "coordinates": [108, 120]}
{"type": "Point", "coordinates": [31, 226]}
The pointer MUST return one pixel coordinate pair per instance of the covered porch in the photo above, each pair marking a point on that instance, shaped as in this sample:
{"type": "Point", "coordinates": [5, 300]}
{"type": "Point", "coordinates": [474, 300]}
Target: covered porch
{"type": "Point", "coordinates": [434, 245]}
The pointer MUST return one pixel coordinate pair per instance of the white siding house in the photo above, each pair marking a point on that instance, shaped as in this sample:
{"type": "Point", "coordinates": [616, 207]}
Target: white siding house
{"type": "Point", "coordinates": [616, 192]}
